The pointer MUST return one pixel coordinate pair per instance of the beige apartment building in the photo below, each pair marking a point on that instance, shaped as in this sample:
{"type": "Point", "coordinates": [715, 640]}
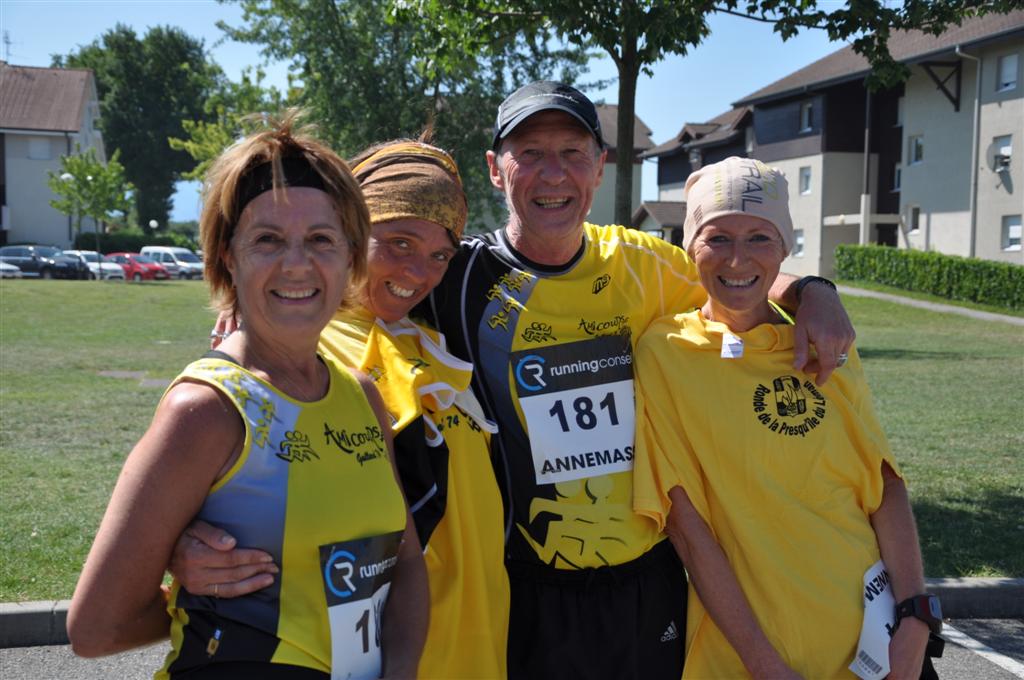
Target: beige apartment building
{"type": "Point", "coordinates": [940, 172]}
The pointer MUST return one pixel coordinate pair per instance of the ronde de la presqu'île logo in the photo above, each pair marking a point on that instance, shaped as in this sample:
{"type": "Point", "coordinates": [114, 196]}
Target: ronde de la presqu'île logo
{"type": "Point", "coordinates": [789, 407]}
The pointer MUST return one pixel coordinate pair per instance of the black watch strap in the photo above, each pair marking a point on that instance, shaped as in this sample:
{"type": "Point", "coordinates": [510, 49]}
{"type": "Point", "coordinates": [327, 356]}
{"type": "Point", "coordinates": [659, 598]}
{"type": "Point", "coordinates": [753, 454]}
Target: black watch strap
{"type": "Point", "coordinates": [924, 607]}
{"type": "Point", "coordinates": [802, 283]}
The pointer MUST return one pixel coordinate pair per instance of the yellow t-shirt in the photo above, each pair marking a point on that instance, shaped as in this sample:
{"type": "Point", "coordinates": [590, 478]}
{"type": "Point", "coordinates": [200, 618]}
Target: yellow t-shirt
{"type": "Point", "coordinates": [785, 474]}
{"type": "Point", "coordinates": [469, 591]}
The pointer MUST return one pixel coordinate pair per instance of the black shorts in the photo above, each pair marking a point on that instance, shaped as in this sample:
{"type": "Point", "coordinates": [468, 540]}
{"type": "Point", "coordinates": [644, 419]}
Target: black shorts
{"type": "Point", "coordinates": [622, 622]}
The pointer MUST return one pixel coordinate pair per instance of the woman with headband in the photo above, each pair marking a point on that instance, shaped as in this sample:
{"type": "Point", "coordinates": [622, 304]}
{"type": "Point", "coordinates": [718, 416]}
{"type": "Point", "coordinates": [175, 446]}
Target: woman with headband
{"type": "Point", "coordinates": [239, 441]}
{"type": "Point", "coordinates": [418, 212]}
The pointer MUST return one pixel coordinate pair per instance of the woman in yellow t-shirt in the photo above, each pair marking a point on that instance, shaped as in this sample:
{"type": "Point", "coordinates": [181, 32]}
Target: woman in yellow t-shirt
{"type": "Point", "coordinates": [781, 496]}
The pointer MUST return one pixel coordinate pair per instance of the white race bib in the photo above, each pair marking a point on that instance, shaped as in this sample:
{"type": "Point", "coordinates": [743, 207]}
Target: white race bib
{"type": "Point", "coordinates": [579, 405]}
{"type": "Point", "coordinates": [872, 659]}
{"type": "Point", "coordinates": [357, 576]}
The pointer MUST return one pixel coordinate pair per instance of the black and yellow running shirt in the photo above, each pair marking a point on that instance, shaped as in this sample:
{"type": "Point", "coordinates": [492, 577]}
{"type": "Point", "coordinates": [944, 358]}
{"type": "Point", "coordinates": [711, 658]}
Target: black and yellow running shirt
{"type": "Point", "coordinates": [553, 353]}
{"type": "Point", "coordinates": [313, 487]}
{"type": "Point", "coordinates": [442, 451]}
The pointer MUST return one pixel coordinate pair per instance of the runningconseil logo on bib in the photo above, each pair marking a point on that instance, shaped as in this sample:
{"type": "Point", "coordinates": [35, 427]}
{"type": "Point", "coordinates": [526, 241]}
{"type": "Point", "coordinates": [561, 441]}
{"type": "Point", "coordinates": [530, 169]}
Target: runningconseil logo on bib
{"type": "Point", "coordinates": [578, 402]}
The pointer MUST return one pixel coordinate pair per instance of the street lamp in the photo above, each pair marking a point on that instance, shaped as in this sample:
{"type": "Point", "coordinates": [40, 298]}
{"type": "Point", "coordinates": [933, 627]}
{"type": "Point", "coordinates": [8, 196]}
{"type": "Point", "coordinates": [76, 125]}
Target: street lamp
{"type": "Point", "coordinates": [153, 224]}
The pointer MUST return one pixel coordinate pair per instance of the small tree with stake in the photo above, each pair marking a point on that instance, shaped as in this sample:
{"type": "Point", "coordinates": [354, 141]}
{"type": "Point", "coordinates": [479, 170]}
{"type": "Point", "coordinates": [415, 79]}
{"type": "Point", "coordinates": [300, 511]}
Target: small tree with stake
{"type": "Point", "coordinates": [86, 187]}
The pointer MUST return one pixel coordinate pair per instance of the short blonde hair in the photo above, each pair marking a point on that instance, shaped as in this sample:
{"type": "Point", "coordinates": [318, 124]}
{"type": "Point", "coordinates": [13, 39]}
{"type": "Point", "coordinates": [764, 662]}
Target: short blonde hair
{"type": "Point", "coordinates": [282, 138]}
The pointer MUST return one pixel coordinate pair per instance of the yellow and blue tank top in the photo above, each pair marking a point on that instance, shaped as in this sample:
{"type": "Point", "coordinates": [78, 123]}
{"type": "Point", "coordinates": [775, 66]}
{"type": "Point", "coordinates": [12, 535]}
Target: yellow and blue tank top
{"type": "Point", "coordinates": [313, 487]}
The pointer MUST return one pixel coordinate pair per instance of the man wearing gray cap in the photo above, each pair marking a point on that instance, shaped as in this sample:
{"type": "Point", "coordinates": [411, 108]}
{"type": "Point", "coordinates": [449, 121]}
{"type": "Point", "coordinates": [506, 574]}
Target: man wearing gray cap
{"type": "Point", "coordinates": [548, 309]}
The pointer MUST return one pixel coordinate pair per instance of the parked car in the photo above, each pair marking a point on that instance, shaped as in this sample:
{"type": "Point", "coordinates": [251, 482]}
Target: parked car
{"type": "Point", "coordinates": [180, 262]}
{"type": "Point", "coordinates": [97, 266]}
{"type": "Point", "coordinates": [9, 271]}
{"type": "Point", "coordinates": [138, 267]}
{"type": "Point", "coordinates": [45, 262]}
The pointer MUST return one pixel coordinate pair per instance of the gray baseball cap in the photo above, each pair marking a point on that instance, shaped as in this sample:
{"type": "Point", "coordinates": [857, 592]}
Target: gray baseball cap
{"type": "Point", "coordinates": [545, 95]}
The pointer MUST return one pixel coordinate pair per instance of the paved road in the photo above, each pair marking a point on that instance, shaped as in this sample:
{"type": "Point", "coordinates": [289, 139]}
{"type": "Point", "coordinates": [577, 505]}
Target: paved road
{"type": "Point", "coordinates": [1005, 636]}
{"type": "Point", "coordinates": [933, 306]}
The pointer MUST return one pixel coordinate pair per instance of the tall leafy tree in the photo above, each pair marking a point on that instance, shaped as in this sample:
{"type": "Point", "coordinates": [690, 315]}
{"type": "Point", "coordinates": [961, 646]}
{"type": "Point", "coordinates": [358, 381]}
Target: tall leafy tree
{"type": "Point", "coordinates": [232, 107]}
{"type": "Point", "coordinates": [638, 33]}
{"type": "Point", "coordinates": [367, 76]}
{"type": "Point", "coordinates": [146, 89]}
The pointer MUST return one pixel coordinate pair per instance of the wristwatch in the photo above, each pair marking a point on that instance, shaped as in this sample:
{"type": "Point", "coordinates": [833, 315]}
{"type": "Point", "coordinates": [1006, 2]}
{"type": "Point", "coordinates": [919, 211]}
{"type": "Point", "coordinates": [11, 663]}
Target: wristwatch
{"type": "Point", "coordinates": [925, 607]}
{"type": "Point", "coordinates": [802, 283]}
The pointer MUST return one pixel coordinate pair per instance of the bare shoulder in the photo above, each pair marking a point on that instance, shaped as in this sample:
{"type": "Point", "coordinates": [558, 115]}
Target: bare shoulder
{"type": "Point", "coordinates": [196, 403]}
{"type": "Point", "coordinates": [199, 417]}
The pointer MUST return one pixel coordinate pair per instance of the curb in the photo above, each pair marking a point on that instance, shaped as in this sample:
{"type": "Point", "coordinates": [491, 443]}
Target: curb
{"type": "Point", "coordinates": [979, 598]}
{"type": "Point", "coordinates": [34, 624]}
{"type": "Point", "coordinates": [31, 624]}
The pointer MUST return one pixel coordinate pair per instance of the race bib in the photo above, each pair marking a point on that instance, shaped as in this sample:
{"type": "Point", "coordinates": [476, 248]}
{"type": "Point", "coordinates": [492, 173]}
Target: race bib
{"type": "Point", "coordinates": [579, 406]}
{"type": "Point", "coordinates": [872, 659]}
{"type": "Point", "coordinates": [357, 576]}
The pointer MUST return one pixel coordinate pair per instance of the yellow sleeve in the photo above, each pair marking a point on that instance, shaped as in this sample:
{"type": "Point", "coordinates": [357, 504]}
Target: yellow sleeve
{"type": "Point", "coordinates": [664, 456]}
{"type": "Point", "coordinates": [684, 291]}
{"type": "Point", "coordinates": [671, 282]}
{"type": "Point", "coordinates": [865, 431]}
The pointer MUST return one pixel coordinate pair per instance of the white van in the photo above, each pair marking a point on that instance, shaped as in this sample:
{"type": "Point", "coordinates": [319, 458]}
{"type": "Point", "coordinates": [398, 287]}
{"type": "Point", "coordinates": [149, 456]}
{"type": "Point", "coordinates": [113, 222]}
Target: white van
{"type": "Point", "coordinates": [179, 262]}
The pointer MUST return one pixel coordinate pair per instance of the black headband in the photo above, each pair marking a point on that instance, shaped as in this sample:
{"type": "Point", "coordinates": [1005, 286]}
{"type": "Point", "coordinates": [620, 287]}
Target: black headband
{"type": "Point", "coordinates": [297, 173]}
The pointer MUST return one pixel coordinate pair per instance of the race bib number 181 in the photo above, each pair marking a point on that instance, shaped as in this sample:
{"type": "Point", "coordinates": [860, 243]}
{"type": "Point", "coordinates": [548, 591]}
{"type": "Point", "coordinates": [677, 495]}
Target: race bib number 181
{"type": "Point", "coordinates": [357, 576]}
{"type": "Point", "coordinates": [578, 402]}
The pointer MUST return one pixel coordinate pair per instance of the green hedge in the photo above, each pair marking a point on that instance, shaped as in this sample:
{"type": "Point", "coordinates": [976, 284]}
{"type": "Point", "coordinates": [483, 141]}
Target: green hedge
{"type": "Point", "coordinates": [131, 241]}
{"type": "Point", "coordinates": [949, 276]}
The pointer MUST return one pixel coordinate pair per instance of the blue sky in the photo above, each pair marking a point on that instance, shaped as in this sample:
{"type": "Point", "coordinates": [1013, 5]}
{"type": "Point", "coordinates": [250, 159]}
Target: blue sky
{"type": "Point", "coordinates": [739, 57]}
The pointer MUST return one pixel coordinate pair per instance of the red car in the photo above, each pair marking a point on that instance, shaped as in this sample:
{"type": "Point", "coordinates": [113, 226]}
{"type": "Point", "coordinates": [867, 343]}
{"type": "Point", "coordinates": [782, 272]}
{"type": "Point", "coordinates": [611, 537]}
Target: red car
{"type": "Point", "coordinates": [138, 267]}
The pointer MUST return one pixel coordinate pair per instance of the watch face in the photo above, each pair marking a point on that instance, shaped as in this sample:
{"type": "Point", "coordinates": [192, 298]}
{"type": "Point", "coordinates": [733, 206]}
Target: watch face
{"type": "Point", "coordinates": [934, 607]}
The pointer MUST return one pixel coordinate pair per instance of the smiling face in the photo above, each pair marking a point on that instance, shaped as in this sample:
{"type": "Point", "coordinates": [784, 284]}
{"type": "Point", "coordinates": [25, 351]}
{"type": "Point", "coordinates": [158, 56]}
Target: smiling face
{"type": "Point", "coordinates": [289, 261]}
{"type": "Point", "coordinates": [406, 259]}
{"type": "Point", "coordinates": [548, 168]}
{"type": "Point", "coordinates": [738, 258]}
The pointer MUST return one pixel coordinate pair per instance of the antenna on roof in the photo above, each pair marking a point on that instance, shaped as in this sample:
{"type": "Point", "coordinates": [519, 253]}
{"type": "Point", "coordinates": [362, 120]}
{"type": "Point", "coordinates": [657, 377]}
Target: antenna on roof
{"type": "Point", "coordinates": [7, 46]}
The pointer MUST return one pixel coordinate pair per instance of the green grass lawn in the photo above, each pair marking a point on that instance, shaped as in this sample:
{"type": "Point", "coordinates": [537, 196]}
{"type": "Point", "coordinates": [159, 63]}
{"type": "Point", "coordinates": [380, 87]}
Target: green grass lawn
{"type": "Point", "coordinates": [948, 391]}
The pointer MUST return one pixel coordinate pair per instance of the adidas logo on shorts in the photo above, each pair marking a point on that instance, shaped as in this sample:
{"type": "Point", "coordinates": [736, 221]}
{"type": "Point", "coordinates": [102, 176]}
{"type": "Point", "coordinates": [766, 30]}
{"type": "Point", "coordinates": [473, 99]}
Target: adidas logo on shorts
{"type": "Point", "coordinates": [671, 633]}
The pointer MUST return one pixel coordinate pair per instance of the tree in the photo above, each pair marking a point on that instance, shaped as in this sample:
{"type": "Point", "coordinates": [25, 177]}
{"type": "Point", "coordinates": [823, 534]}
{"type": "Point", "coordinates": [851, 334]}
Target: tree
{"type": "Point", "coordinates": [146, 89]}
{"type": "Point", "coordinates": [86, 187]}
{"type": "Point", "coordinates": [365, 77]}
{"type": "Point", "coordinates": [230, 107]}
{"type": "Point", "coordinates": [638, 33]}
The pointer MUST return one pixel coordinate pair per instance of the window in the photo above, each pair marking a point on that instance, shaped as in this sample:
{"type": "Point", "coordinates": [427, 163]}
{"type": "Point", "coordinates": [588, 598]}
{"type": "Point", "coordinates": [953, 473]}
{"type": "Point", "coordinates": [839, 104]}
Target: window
{"type": "Point", "coordinates": [805, 180]}
{"type": "Point", "coordinates": [1011, 232]}
{"type": "Point", "coordinates": [750, 140]}
{"type": "Point", "coordinates": [798, 243]}
{"type": "Point", "coordinates": [897, 173]}
{"type": "Point", "coordinates": [695, 159]}
{"type": "Point", "coordinates": [806, 116]}
{"type": "Point", "coordinates": [915, 218]}
{"type": "Point", "coordinates": [1006, 73]}
{"type": "Point", "coordinates": [39, 149]}
{"type": "Point", "coordinates": [915, 149]}
{"type": "Point", "coordinates": [899, 112]}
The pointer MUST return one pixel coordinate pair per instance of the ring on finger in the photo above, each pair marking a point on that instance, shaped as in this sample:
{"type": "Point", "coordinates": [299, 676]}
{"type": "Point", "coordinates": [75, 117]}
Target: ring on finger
{"type": "Point", "coordinates": [841, 359]}
{"type": "Point", "coordinates": [221, 335]}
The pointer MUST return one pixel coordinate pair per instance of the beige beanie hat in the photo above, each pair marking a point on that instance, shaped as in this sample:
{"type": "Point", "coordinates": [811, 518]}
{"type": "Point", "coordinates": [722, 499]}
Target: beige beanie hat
{"type": "Point", "coordinates": [737, 186]}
